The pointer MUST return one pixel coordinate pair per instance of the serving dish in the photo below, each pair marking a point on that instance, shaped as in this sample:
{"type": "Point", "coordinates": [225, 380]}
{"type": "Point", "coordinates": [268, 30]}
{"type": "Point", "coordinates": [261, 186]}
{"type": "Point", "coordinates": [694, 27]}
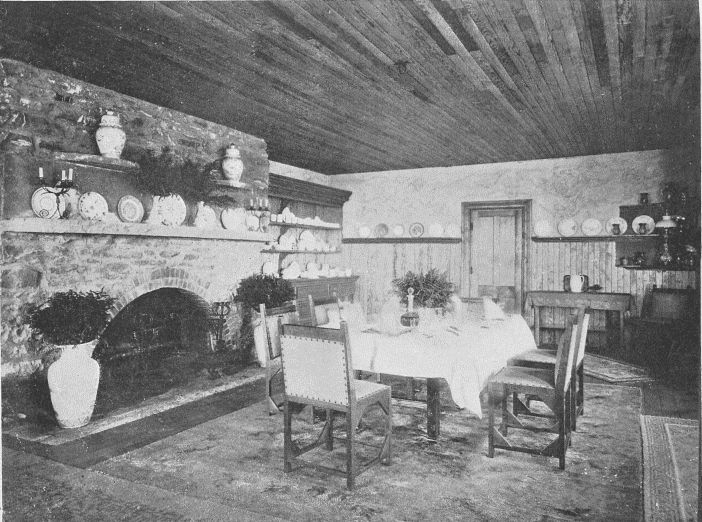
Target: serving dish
{"type": "Point", "coordinates": [364, 231]}
{"type": "Point", "coordinates": [381, 230]}
{"type": "Point", "coordinates": [416, 230]}
{"type": "Point", "coordinates": [398, 230]}
{"type": "Point", "coordinates": [609, 226]}
{"type": "Point", "coordinates": [591, 227]}
{"type": "Point", "coordinates": [233, 218]}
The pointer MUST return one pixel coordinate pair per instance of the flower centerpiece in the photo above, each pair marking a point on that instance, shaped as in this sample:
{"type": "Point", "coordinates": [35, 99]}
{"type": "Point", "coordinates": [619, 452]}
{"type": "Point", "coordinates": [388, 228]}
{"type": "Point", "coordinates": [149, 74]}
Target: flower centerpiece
{"type": "Point", "coordinates": [69, 323]}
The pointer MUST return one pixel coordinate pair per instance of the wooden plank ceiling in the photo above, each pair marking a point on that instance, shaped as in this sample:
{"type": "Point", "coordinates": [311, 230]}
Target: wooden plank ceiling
{"type": "Point", "coordinates": [350, 86]}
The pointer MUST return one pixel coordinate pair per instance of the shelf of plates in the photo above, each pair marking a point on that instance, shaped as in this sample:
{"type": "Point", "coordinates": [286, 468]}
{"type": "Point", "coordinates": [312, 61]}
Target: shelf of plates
{"type": "Point", "coordinates": [117, 228]}
{"type": "Point", "coordinates": [301, 207]}
{"type": "Point", "coordinates": [392, 240]}
{"type": "Point", "coordinates": [621, 238]}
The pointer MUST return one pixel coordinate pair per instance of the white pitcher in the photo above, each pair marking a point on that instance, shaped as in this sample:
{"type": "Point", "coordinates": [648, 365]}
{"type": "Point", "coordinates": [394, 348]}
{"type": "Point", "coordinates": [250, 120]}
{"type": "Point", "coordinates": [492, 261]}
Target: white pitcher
{"type": "Point", "coordinates": [577, 282]}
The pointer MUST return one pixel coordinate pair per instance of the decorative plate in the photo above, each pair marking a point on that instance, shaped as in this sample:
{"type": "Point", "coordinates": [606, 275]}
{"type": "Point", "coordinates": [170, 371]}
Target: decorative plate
{"type": "Point", "coordinates": [364, 231]}
{"type": "Point", "coordinates": [591, 227]}
{"type": "Point", "coordinates": [252, 222]}
{"type": "Point", "coordinates": [307, 241]}
{"type": "Point", "coordinates": [234, 218]}
{"type": "Point", "coordinates": [416, 230]}
{"type": "Point", "coordinates": [381, 230]}
{"type": "Point", "coordinates": [292, 271]}
{"type": "Point", "coordinates": [398, 230]}
{"type": "Point", "coordinates": [47, 205]}
{"type": "Point", "coordinates": [92, 205]}
{"type": "Point", "coordinates": [130, 209]}
{"type": "Point", "coordinates": [567, 227]}
{"type": "Point", "coordinates": [268, 268]}
{"type": "Point", "coordinates": [171, 210]}
{"type": "Point", "coordinates": [436, 230]}
{"type": "Point", "coordinates": [453, 230]}
{"type": "Point", "coordinates": [620, 221]}
{"type": "Point", "coordinates": [647, 221]}
{"type": "Point", "coordinates": [543, 229]}
{"type": "Point", "coordinates": [206, 217]}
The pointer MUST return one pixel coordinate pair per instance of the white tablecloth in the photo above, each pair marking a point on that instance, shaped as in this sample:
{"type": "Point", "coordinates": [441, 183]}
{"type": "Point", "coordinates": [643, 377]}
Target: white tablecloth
{"type": "Point", "coordinates": [464, 355]}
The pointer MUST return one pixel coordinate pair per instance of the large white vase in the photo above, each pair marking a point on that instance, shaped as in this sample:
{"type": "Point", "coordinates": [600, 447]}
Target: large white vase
{"type": "Point", "coordinates": [232, 166]}
{"type": "Point", "coordinates": [73, 383]}
{"type": "Point", "coordinates": [110, 137]}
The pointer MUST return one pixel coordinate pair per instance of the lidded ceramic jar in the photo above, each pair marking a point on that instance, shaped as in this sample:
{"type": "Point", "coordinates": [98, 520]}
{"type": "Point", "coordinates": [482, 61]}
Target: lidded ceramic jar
{"type": "Point", "coordinates": [110, 137]}
{"type": "Point", "coordinates": [232, 166]}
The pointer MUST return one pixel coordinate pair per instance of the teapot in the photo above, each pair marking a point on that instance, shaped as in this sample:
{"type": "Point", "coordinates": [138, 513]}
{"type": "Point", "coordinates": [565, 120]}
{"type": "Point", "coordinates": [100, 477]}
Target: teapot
{"type": "Point", "coordinates": [575, 283]}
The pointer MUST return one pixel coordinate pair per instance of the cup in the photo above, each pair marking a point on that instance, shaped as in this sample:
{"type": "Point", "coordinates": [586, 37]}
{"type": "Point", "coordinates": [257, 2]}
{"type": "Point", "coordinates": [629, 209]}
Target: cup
{"type": "Point", "coordinates": [642, 228]}
{"type": "Point", "coordinates": [615, 229]}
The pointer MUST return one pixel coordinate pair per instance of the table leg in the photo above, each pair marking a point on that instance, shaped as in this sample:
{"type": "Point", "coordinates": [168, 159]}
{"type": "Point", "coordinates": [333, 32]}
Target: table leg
{"type": "Point", "coordinates": [622, 348]}
{"type": "Point", "coordinates": [433, 409]}
{"type": "Point", "coordinates": [537, 326]}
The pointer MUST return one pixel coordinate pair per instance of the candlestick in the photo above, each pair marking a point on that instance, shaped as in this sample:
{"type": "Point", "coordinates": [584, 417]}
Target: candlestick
{"type": "Point", "coordinates": [41, 173]}
{"type": "Point", "coordinates": [70, 174]}
{"type": "Point", "coordinates": [410, 299]}
{"type": "Point", "coordinates": [63, 175]}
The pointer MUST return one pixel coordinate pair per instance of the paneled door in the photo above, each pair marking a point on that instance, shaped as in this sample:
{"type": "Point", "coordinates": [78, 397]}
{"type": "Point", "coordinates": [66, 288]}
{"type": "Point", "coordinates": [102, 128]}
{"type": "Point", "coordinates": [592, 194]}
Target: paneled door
{"type": "Point", "coordinates": [494, 252]}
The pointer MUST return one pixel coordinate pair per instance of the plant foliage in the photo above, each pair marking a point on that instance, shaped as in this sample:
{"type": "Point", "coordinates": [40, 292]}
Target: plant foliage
{"type": "Point", "coordinates": [71, 317]}
{"type": "Point", "coordinates": [267, 289]}
{"type": "Point", "coordinates": [165, 174]}
{"type": "Point", "coordinates": [431, 290]}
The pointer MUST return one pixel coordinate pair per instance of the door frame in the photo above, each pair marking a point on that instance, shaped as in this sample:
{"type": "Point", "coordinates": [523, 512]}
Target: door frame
{"type": "Point", "coordinates": [523, 207]}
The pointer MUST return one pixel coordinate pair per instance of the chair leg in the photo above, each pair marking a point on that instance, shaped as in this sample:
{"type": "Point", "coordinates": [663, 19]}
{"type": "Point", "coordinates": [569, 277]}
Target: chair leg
{"type": "Point", "coordinates": [388, 432]}
{"type": "Point", "coordinates": [573, 407]}
{"type": "Point", "coordinates": [505, 416]}
{"type": "Point", "coordinates": [562, 427]}
{"type": "Point", "coordinates": [330, 430]}
{"type": "Point", "coordinates": [581, 391]}
{"type": "Point", "coordinates": [491, 425]}
{"type": "Point", "coordinates": [350, 453]}
{"type": "Point", "coordinates": [287, 438]}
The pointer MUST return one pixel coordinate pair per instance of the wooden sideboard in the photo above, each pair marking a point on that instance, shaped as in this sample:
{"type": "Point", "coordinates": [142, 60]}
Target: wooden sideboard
{"type": "Point", "coordinates": [609, 302]}
{"type": "Point", "coordinates": [342, 287]}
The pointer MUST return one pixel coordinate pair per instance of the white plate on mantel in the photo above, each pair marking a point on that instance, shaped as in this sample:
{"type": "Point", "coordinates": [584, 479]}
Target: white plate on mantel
{"type": "Point", "coordinates": [609, 226]}
{"type": "Point", "coordinates": [92, 205]}
{"type": "Point", "coordinates": [47, 205]}
{"type": "Point", "coordinates": [591, 227]}
{"type": "Point", "coordinates": [647, 221]}
{"type": "Point", "coordinates": [567, 227]}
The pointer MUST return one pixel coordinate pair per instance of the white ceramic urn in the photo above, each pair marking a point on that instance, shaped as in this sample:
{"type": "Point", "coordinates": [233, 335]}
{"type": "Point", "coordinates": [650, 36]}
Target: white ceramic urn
{"type": "Point", "coordinates": [73, 383]}
{"type": "Point", "coordinates": [110, 137]}
{"type": "Point", "coordinates": [232, 166]}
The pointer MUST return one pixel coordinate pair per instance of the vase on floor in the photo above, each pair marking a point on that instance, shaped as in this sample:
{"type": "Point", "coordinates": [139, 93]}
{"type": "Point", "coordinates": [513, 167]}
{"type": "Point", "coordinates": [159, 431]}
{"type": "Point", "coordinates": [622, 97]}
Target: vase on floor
{"type": "Point", "coordinates": [73, 384]}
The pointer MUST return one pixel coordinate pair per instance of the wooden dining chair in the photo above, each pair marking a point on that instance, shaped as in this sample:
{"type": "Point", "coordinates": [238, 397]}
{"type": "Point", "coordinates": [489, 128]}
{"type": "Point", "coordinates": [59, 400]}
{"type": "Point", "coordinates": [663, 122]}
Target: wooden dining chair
{"type": "Point", "coordinates": [318, 371]}
{"type": "Point", "coordinates": [552, 387]}
{"type": "Point", "coordinates": [271, 319]}
{"type": "Point", "coordinates": [546, 359]}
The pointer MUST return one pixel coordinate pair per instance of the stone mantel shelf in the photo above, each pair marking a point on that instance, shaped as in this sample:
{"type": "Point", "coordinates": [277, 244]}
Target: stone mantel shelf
{"type": "Point", "coordinates": [78, 226]}
{"type": "Point", "coordinates": [92, 160]}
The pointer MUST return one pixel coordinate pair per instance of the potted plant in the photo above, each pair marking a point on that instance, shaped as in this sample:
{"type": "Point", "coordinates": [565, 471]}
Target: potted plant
{"type": "Point", "coordinates": [431, 290]}
{"type": "Point", "coordinates": [253, 291]}
{"type": "Point", "coordinates": [70, 323]}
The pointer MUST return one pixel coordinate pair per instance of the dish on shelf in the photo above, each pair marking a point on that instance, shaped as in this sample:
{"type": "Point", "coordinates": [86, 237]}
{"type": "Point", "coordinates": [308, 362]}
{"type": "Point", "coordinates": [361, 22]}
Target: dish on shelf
{"type": "Point", "coordinates": [92, 205]}
{"type": "Point", "coordinates": [647, 221]}
{"type": "Point", "coordinates": [364, 231]}
{"type": "Point", "coordinates": [268, 268]}
{"type": "Point", "coordinates": [233, 218]}
{"type": "Point", "coordinates": [567, 227]}
{"type": "Point", "coordinates": [416, 230]}
{"type": "Point", "coordinates": [543, 228]}
{"type": "Point", "coordinates": [381, 230]}
{"type": "Point", "coordinates": [252, 222]}
{"type": "Point", "coordinates": [46, 204]}
{"type": "Point", "coordinates": [436, 230]}
{"type": "Point", "coordinates": [453, 230]}
{"type": "Point", "coordinates": [130, 209]}
{"type": "Point", "coordinates": [398, 230]}
{"type": "Point", "coordinates": [288, 240]}
{"type": "Point", "coordinates": [609, 226]}
{"type": "Point", "coordinates": [591, 227]}
{"type": "Point", "coordinates": [292, 271]}
{"type": "Point", "coordinates": [168, 210]}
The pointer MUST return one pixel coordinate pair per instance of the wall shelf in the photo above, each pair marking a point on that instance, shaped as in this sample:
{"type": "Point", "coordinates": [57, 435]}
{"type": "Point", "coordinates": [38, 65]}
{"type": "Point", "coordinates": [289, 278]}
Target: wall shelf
{"type": "Point", "coordinates": [300, 225]}
{"type": "Point", "coordinates": [92, 160]}
{"type": "Point", "coordinates": [582, 239]}
{"type": "Point", "coordinates": [388, 240]}
{"type": "Point", "coordinates": [657, 268]}
{"type": "Point", "coordinates": [84, 227]}
{"type": "Point", "coordinates": [296, 251]}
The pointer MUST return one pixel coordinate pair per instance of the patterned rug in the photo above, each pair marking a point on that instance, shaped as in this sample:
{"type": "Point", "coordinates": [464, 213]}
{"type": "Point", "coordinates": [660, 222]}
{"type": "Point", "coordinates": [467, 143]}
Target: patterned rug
{"type": "Point", "coordinates": [671, 464]}
{"type": "Point", "coordinates": [613, 371]}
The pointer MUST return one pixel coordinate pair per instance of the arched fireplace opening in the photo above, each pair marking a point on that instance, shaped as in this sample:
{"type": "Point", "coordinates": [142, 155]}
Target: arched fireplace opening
{"type": "Point", "coordinates": [159, 341]}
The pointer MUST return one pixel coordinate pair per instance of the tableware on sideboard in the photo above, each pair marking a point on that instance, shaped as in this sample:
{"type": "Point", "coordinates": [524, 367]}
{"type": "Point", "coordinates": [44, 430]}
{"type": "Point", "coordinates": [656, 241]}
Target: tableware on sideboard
{"type": "Point", "coordinates": [648, 223]}
{"type": "Point", "coordinates": [567, 227]}
{"type": "Point", "coordinates": [621, 224]}
{"type": "Point", "coordinates": [416, 230]}
{"type": "Point", "coordinates": [591, 227]}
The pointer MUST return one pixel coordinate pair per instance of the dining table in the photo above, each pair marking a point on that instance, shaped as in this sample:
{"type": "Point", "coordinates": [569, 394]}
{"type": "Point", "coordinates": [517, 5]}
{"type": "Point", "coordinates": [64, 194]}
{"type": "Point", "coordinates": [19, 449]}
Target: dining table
{"type": "Point", "coordinates": [463, 353]}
